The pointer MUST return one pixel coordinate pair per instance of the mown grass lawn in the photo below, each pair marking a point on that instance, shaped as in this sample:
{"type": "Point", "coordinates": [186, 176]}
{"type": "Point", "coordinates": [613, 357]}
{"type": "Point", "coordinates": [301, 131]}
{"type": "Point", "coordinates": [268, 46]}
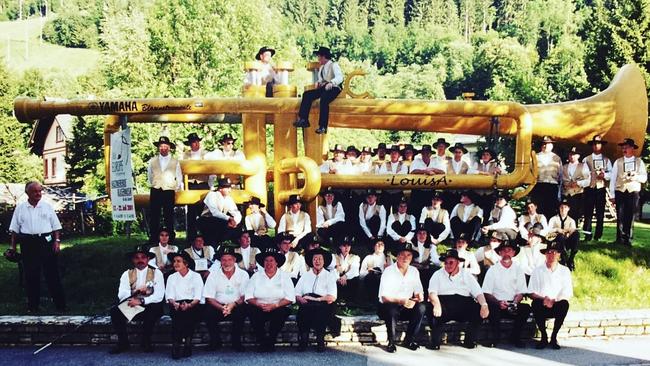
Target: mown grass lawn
{"type": "Point", "coordinates": [607, 276]}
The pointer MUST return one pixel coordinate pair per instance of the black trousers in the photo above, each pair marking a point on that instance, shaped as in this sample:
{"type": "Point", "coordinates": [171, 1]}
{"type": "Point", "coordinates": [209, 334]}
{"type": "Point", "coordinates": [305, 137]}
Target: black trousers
{"type": "Point", "coordinates": [184, 322]}
{"type": "Point", "coordinates": [419, 199]}
{"type": "Point", "coordinates": [213, 317]}
{"type": "Point", "coordinates": [510, 233]}
{"type": "Point", "coordinates": [541, 313]}
{"type": "Point", "coordinates": [373, 224]}
{"type": "Point", "coordinates": [326, 97]}
{"type": "Point", "coordinates": [401, 229]}
{"type": "Point", "coordinates": [496, 314]}
{"type": "Point", "coordinates": [275, 319]}
{"type": "Point", "coordinates": [390, 313]}
{"type": "Point", "coordinates": [627, 205]}
{"type": "Point", "coordinates": [576, 202]}
{"type": "Point", "coordinates": [314, 315]}
{"type": "Point", "coordinates": [349, 291]}
{"type": "Point", "coordinates": [262, 242]}
{"type": "Point", "coordinates": [160, 200]}
{"type": "Point", "coordinates": [458, 308]}
{"type": "Point", "coordinates": [434, 228]}
{"type": "Point", "coordinates": [333, 234]}
{"type": "Point", "coordinates": [194, 211]}
{"type": "Point", "coordinates": [391, 200]}
{"type": "Point", "coordinates": [486, 203]}
{"type": "Point", "coordinates": [39, 256]}
{"type": "Point", "coordinates": [149, 318]}
{"type": "Point", "coordinates": [371, 285]}
{"type": "Point", "coordinates": [472, 228]}
{"type": "Point", "coordinates": [594, 199]}
{"type": "Point", "coordinates": [570, 244]}
{"type": "Point", "coordinates": [545, 195]}
{"type": "Point", "coordinates": [215, 230]}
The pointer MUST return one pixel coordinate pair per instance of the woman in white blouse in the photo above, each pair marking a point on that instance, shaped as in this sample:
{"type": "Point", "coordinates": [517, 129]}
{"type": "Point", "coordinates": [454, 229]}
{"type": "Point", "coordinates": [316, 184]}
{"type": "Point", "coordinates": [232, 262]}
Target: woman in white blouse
{"type": "Point", "coordinates": [183, 292]}
{"type": "Point", "coordinates": [269, 293]}
{"type": "Point", "coordinates": [372, 267]}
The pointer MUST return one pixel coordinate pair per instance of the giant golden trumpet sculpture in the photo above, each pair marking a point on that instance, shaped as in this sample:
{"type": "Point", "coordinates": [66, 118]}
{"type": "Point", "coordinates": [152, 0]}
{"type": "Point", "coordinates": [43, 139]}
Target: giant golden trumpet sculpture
{"type": "Point", "coordinates": [619, 111]}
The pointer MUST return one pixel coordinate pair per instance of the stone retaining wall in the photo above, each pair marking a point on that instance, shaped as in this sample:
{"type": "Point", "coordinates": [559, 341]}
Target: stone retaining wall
{"type": "Point", "coordinates": [358, 330]}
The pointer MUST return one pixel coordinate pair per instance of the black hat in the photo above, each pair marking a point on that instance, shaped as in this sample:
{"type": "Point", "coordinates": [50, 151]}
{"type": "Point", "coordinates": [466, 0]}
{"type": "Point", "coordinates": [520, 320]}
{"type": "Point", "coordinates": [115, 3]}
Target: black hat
{"type": "Point", "coordinates": [328, 190]}
{"type": "Point", "coordinates": [368, 150]}
{"type": "Point", "coordinates": [406, 148]}
{"type": "Point", "coordinates": [426, 148]}
{"type": "Point", "coordinates": [140, 249]}
{"type": "Point", "coordinates": [317, 239]}
{"type": "Point", "coordinates": [597, 139]}
{"type": "Point", "coordinates": [470, 194]}
{"type": "Point", "coordinates": [420, 227]}
{"type": "Point", "coordinates": [437, 196]}
{"type": "Point", "coordinates": [536, 230]}
{"type": "Point", "coordinates": [346, 240]}
{"type": "Point", "coordinates": [547, 139]}
{"type": "Point", "coordinates": [270, 252]}
{"type": "Point", "coordinates": [323, 51]}
{"type": "Point", "coordinates": [486, 150]}
{"type": "Point", "coordinates": [337, 147]}
{"type": "Point", "coordinates": [226, 136]}
{"type": "Point", "coordinates": [629, 142]}
{"type": "Point", "coordinates": [294, 198]}
{"type": "Point", "coordinates": [565, 202]}
{"type": "Point", "coordinates": [309, 257]}
{"type": "Point", "coordinates": [254, 201]}
{"type": "Point", "coordinates": [441, 141]}
{"type": "Point", "coordinates": [192, 137]}
{"type": "Point", "coordinates": [165, 229]}
{"type": "Point", "coordinates": [371, 191]}
{"type": "Point", "coordinates": [503, 193]}
{"type": "Point", "coordinates": [530, 201]}
{"type": "Point", "coordinates": [553, 245]}
{"type": "Point", "coordinates": [262, 50]}
{"type": "Point", "coordinates": [404, 200]}
{"type": "Point", "coordinates": [228, 250]}
{"type": "Point", "coordinates": [507, 244]}
{"type": "Point", "coordinates": [283, 236]}
{"type": "Point", "coordinates": [382, 145]}
{"type": "Point", "coordinates": [164, 140]}
{"type": "Point", "coordinates": [352, 148]}
{"type": "Point", "coordinates": [394, 148]}
{"type": "Point", "coordinates": [462, 236]}
{"type": "Point", "coordinates": [185, 256]}
{"type": "Point", "coordinates": [406, 247]}
{"type": "Point", "coordinates": [243, 231]}
{"type": "Point", "coordinates": [376, 240]}
{"type": "Point", "coordinates": [498, 236]}
{"type": "Point", "coordinates": [451, 253]}
{"type": "Point", "coordinates": [460, 146]}
{"type": "Point", "coordinates": [572, 151]}
{"type": "Point", "coordinates": [224, 183]}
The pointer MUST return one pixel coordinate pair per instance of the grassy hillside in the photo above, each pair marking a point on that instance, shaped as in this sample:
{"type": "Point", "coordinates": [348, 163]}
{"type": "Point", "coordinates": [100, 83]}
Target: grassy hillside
{"type": "Point", "coordinates": [17, 37]}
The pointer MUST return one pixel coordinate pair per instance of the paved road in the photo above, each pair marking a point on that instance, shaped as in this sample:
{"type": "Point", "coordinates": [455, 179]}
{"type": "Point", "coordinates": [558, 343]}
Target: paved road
{"type": "Point", "coordinates": [628, 351]}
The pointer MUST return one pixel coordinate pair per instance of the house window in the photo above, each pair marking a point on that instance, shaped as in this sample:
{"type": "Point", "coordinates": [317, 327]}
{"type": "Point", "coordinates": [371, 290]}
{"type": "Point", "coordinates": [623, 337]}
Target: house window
{"type": "Point", "coordinates": [45, 168]}
{"type": "Point", "coordinates": [59, 134]}
{"type": "Point", "coordinates": [53, 167]}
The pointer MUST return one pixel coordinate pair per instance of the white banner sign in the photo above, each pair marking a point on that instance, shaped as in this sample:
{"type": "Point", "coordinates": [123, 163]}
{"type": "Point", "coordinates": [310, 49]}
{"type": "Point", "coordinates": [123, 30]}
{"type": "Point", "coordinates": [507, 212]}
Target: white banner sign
{"type": "Point", "coordinates": [122, 176]}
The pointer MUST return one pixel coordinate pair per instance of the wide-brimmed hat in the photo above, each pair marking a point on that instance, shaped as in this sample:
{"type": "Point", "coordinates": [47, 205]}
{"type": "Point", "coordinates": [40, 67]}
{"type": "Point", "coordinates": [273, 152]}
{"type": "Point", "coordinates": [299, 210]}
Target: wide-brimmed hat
{"type": "Point", "coordinates": [243, 231]}
{"type": "Point", "coordinates": [309, 257]}
{"type": "Point", "coordinates": [394, 148]}
{"type": "Point", "coordinates": [315, 239]}
{"type": "Point", "coordinates": [337, 147]}
{"type": "Point", "coordinates": [367, 150]}
{"type": "Point", "coordinates": [294, 198]}
{"type": "Point", "coordinates": [224, 183]}
{"type": "Point", "coordinates": [460, 146]}
{"type": "Point", "coordinates": [553, 245]}
{"type": "Point", "coordinates": [382, 145]}
{"type": "Point", "coordinates": [503, 193]}
{"type": "Point", "coordinates": [258, 56]}
{"type": "Point", "coordinates": [270, 252]}
{"type": "Point", "coordinates": [323, 51]}
{"type": "Point", "coordinates": [406, 148]}
{"type": "Point", "coordinates": [164, 140]}
{"type": "Point", "coordinates": [328, 190]}
{"type": "Point", "coordinates": [441, 141]}
{"type": "Point", "coordinates": [228, 250]}
{"type": "Point", "coordinates": [406, 247]}
{"type": "Point", "coordinates": [470, 194]}
{"type": "Point", "coordinates": [226, 136]}
{"type": "Point", "coordinates": [498, 236]}
{"type": "Point", "coordinates": [451, 253]}
{"type": "Point", "coordinates": [572, 151]}
{"type": "Point", "coordinates": [352, 148]}
{"type": "Point", "coordinates": [371, 191]}
{"type": "Point", "coordinates": [254, 201]}
{"type": "Point", "coordinates": [346, 240]}
{"type": "Point", "coordinates": [283, 236]}
{"type": "Point", "coordinates": [537, 230]}
{"type": "Point", "coordinates": [565, 202]}
{"type": "Point", "coordinates": [462, 236]}
{"type": "Point", "coordinates": [437, 196]}
{"type": "Point", "coordinates": [185, 256]}
{"type": "Point", "coordinates": [426, 148]}
{"type": "Point", "coordinates": [597, 139]}
{"type": "Point", "coordinates": [486, 150]}
{"type": "Point", "coordinates": [547, 140]}
{"type": "Point", "coordinates": [140, 249]}
{"type": "Point", "coordinates": [629, 142]}
{"type": "Point", "coordinates": [376, 240]}
{"type": "Point", "coordinates": [507, 244]}
{"type": "Point", "coordinates": [192, 137]}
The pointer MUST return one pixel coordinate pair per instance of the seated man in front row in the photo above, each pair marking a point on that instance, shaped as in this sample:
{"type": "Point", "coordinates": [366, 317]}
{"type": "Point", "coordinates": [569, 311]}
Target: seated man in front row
{"type": "Point", "coordinates": [220, 218]}
{"type": "Point", "coordinates": [142, 286]}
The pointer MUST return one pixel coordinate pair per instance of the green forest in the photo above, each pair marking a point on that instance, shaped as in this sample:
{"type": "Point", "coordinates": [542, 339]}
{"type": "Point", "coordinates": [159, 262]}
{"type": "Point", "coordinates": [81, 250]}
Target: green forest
{"type": "Point", "coordinates": [529, 51]}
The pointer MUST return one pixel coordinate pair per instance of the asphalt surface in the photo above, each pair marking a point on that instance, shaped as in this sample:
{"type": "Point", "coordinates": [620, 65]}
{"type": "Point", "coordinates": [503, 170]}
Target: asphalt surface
{"type": "Point", "coordinates": [626, 351]}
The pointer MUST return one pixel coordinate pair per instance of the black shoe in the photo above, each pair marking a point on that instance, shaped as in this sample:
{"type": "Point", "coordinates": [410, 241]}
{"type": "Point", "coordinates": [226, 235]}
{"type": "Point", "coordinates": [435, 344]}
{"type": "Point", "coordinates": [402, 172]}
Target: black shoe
{"type": "Point", "coordinates": [554, 344]}
{"type": "Point", "coordinates": [469, 345]}
{"type": "Point", "coordinates": [588, 238]}
{"type": "Point", "coordinates": [320, 347]}
{"type": "Point", "coordinates": [301, 122]}
{"type": "Point", "coordinates": [176, 351]}
{"type": "Point", "coordinates": [411, 345]}
{"type": "Point", "coordinates": [321, 130]}
{"type": "Point", "coordinates": [391, 347]}
{"type": "Point", "coordinates": [433, 346]}
{"type": "Point", "coordinates": [187, 347]}
{"type": "Point", "coordinates": [119, 348]}
{"type": "Point", "coordinates": [542, 344]}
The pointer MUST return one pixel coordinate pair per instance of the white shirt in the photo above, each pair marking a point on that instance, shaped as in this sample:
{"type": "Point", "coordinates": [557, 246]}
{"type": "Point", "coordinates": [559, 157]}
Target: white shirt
{"type": "Point", "coordinates": [225, 290]}
{"type": "Point", "coordinates": [373, 261]}
{"type": "Point", "coordinates": [529, 258]}
{"type": "Point", "coordinates": [164, 161]}
{"type": "Point", "coordinates": [369, 213]}
{"type": "Point", "coordinates": [607, 164]}
{"type": "Point", "coordinates": [419, 247]}
{"type": "Point", "coordinates": [322, 284]}
{"type": "Point", "coordinates": [434, 214]}
{"type": "Point", "coordinates": [462, 283]}
{"type": "Point", "coordinates": [641, 176]}
{"type": "Point", "coordinates": [457, 165]}
{"type": "Point", "coordinates": [395, 285]}
{"type": "Point", "coordinates": [401, 218]}
{"type": "Point", "coordinates": [381, 169]}
{"type": "Point", "coordinates": [468, 211]}
{"type": "Point", "coordinates": [325, 69]}
{"type": "Point", "coordinates": [296, 268]}
{"type": "Point", "coordinates": [339, 217]}
{"type": "Point", "coordinates": [522, 224]}
{"type": "Point", "coordinates": [470, 263]}
{"type": "Point", "coordinates": [504, 283]}
{"type": "Point", "coordinates": [266, 74]}
{"type": "Point", "coordinates": [419, 164]}
{"type": "Point", "coordinates": [351, 262]}
{"type": "Point", "coordinates": [571, 168]}
{"type": "Point", "coordinates": [491, 255]}
{"type": "Point", "coordinates": [246, 255]}
{"type": "Point", "coordinates": [556, 284]}
{"type": "Point", "coordinates": [188, 287]}
{"type": "Point", "coordinates": [325, 167]}
{"type": "Point", "coordinates": [39, 219]}
{"type": "Point", "coordinates": [124, 290]}
{"type": "Point", "coordinates": [256, 218]}
{"type": "Point", "coordinates": [298, 232]}
{"type": "Point", "coordinates": [507, 219]}
{"type": "Point", "coordinates": [270, 290]}
{"type": "Point", "coordinates": [222, 207]}
{"type": "Point", "coordinates": [164, 250]}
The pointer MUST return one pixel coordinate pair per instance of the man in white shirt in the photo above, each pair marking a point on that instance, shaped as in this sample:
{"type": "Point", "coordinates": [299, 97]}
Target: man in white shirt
{"type": "Point", "coordinates": [595, 195]}
{"type": "Point", "coordinates": [380, 154]}
{"type": "Point", "coordinates": [466, 217]}
{"type": "Point", "coordinates": [469, 264]}
{"type": "Point", "coordinates": [456, 166]}
{"type": "Point", "coordinates": [575, 177]}
{"type": "Point", "coordinates": [224, 298]}
{"type": "Point", "coordinates": [330, 217]}
{"type": "Point", "coordinates": [436, 219]}
{"type": "Point", "coordinates": [452, 292]}
{"type": "Point", "coordinates": [142, 286]}
{"type": "Point", "coordinates": [266, 75]}
{"type": "Point", "coordinates": [294, 263]}
{"type": "Point", "coordinates": [401, 296]}
{"type": "Point", "coordinates": [161, 250]}
{"type": "Point", "coordinates": [259, 221]}
{"type": "Point", "coordinates": [400, 226]}
{"type": "Point", "coordinates": [487, 256]}
{"type": "Point", "coordinates": [336, 163]}
{"type": "Point", "coordinates": [220, 217]}
{"type": "Point", "coordinates": [372, 218]}
{"type": "Point", "coordinates": [390, 198]}
{"type": "Point", "coordinates": [550, 288]}
{"type": "Point", "coordinates": [426, 165]}
{"type": "Point", "coordinates": [531, 217]}
{"type": "Point", "coordinates": [504, 287]}
{"type": "Point", "coordinates": [165, 178]}
{"type": "Point", "coordinates": [198, 182]}
{"type": "Point", "coordinates": [327, 88]}
{"type": "Point", "coordinates": [628, 175]}
{"type": "Point", "coordinates": [35, 226]}
{"type": "Point", "coordinates": [565, 231]}
{"type": "Point", "coordinates": [503, 219]}
{"type": "Point", "coordinates": [226, 151]}
{"type": "Point", "coordinates": [547, 189]}
{"type": "Point", "coordinates": [347, 271]}
{"type": "Point", "coordinates": [315, 294]}
{"type": "Point", "coordinates": [296, 222]}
